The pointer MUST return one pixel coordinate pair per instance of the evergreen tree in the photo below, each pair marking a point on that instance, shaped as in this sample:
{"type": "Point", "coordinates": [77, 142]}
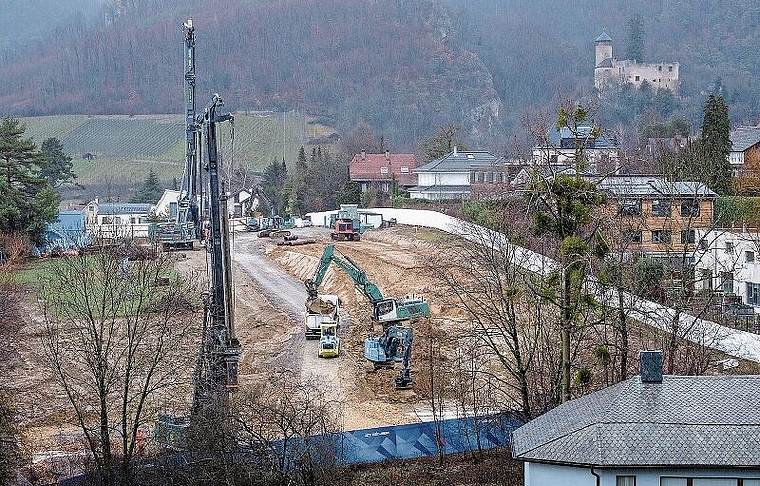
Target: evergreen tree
{"type": "Point", "coordinates": [273, 186]}
{"type": "Point", "coordinates": [150, 192]}
{"type": "Point", "coordinates": [59, 168]}
{"type": "Point", "coordinates": [635, 48]}
{"type": "Point", "coordinates": [28, 201]}
{"type": "Point", "coordinates": [715, 145]}
{"type": "Point", "coordinates": [297, 185]}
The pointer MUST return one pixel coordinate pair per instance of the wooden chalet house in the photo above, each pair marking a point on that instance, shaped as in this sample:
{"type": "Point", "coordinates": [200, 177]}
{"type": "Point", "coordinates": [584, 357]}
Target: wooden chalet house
{"type": "Point", "coordinates": [657, 217]}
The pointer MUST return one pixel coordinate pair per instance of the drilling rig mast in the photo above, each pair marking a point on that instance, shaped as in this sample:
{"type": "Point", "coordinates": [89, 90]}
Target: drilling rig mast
{"type": "Point", "coordinates": [185, 228]}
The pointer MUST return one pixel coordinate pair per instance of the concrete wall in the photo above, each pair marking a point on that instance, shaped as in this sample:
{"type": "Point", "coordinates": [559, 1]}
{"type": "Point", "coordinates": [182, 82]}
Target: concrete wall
{"type": "Point", "coordinates": [537, 474]}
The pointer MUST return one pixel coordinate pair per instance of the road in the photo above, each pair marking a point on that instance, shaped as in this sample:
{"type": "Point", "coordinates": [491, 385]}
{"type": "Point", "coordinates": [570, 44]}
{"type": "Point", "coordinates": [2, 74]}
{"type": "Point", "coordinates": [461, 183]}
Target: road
{"type": "Point", "coordinates": [287, 294]}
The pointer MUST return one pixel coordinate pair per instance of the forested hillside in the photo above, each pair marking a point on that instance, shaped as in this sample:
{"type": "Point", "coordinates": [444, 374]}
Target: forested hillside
{"type": "Point", "coordinates": [405, 67]}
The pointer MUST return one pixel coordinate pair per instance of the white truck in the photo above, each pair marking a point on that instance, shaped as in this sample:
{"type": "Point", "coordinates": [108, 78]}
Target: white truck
{"type": "Point", "coordinates": [323, 309]}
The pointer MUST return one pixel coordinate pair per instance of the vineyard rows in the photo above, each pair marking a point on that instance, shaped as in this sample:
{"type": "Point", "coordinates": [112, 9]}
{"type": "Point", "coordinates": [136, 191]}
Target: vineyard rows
{"type": "Point", "coordinates": [126, 147]}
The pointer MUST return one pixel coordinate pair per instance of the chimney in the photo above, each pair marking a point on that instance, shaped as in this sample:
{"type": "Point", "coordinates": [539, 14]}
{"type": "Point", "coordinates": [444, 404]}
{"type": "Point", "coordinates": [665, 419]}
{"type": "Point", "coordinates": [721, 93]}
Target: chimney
{"type": "Point", "coordinates": [651, 366]}
{"type": "Point", "coordinates": [388, 155]}
{"type": "Point", "coordinates": [455, 150]}
{"type": "Point", "coordinates": [364, 154]}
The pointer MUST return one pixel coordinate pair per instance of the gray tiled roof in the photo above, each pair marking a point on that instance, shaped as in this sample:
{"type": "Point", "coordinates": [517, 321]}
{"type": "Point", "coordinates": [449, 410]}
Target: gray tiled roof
{"type": "Point", "coordinates": [459, 162]}
{"type": "Point", "coordinates": [124, 208]}
{"type": "Point", "coordinates": [606, 63]}
{"type": "Point", "coordinates": [639, 186]}
{"type": "Point", "coordinates": [556, 136]}
{"type": "Point", "coordinates": [683, 421]}
{"type": "Point", "coordinates": [743, 138]}
{"type": "Point", "coordinates": [604, 37]}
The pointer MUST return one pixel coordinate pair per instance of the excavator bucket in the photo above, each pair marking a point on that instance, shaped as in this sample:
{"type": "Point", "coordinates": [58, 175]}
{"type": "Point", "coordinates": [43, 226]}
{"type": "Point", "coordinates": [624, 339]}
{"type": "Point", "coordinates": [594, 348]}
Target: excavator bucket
{"type": "Point", "coordinates": [374, 352]}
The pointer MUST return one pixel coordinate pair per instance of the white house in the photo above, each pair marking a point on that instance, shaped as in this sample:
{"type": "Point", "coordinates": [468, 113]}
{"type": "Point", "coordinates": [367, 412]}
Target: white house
{"type": "Point", "coordinates": [117, 220]}
{"type": "Point", "coordinates": [559, 147]}
{"type": "Point", "coordinates": [729, 262]}
{"type": "Point", "coordinates": [650, 430]}
{"type": "Point", "coordinates": [450, 177]}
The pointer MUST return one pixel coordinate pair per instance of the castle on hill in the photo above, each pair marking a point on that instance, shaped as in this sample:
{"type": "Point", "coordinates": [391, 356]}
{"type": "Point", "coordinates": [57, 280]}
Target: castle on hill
{"type": "Point", "coordinates": [609, 71]}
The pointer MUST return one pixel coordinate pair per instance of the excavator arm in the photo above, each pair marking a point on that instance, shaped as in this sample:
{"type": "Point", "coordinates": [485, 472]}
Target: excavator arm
{"type": "Point", "coordinates": [361, 282]}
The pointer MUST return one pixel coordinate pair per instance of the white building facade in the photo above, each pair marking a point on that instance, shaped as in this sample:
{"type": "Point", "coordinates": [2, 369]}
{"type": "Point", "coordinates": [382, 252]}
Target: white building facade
{"type": "Point", "coordinates": [729, 262]}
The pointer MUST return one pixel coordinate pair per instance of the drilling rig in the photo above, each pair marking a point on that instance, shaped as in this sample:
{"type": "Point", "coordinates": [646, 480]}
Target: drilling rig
{"type": "Point", "coordinates": [185, 228]}
{"type": "Point", "coordinates": [215, 376]}
{"type": "Point", "coordinates": [216, 368]}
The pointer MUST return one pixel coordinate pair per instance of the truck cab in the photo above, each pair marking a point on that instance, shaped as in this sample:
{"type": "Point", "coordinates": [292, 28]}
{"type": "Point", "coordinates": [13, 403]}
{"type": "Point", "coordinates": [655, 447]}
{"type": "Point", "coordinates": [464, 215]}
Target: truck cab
{"type": "Point", "coordinates": [322, 309]}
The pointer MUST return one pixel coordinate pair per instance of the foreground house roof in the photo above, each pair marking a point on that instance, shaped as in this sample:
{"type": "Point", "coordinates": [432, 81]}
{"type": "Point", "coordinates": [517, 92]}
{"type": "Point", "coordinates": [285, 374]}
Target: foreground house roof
{"type": "Point", "coordinates": [692, 421]}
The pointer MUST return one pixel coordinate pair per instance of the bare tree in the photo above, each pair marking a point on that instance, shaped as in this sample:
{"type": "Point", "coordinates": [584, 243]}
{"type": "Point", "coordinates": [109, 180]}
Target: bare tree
{"type": "Point", "coordinates": [482, 275]}
{"type": "Point", "coordinates": [116, 338]}
{"type": "Point", "coordinates": [290, 426]}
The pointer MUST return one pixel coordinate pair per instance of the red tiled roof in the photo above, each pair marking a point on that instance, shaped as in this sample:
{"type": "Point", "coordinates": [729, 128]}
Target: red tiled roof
{"type": "Point", "coordinates": [366, 167]}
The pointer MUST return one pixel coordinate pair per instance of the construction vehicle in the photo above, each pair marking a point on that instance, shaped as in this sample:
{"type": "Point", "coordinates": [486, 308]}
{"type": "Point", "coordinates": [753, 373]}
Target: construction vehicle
{"type": "Point", "coordinates": [216, 369]}
{"type": "Point", "coordinates": [395, 344]}
{"type": "Point", "coordinates": [329, 342]}
{"type": "Point", "coordinates": [185, 228]}
{"type": "Point", "coordinates": [385, 310]}
{"type": "Point", "coordinates": [344, 229]}
{"type": "Point", "coordinates": [323, 308]}
{"type": "Point", "coordinates": [345, 224]}
{"type": "Point", "coordinates": [272, 227]}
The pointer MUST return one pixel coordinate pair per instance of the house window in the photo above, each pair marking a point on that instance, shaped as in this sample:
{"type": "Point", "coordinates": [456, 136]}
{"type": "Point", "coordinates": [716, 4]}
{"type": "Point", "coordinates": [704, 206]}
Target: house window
{"type": "Point", "coordinates": [660, 207]}
{"type": "Point", "coordinates": [625, 480]}
{"type": "Point", "coordinates": [690, 207]}
{"type": "Point", "coordinates": [659, 68]}
{"type": "Point", "coordinates": [707, 280]}
{"type": "Point", "coordinates": [405, 170]}
{"type": "Point", "coordinates": [384, 170]}
{"type": "Point", "coordinates": [749, 256]}
{"type": "Point", "coordinates": [730, 247]}
{"type": "Point", "coordinates": [670, 69]}
{"type": "Point", "coordinates": [117, 220]}
{"type": "Point", "coordinates": [661, 236]}
{"type": "Point", "coordinates": [727, 282]}
{"type": "Point", "coordinates": [702, 244]}
{"type": "Point", "coordinates": [687, 237]}
{"type": "Point", "coordinates": [630, 207]}
{"type": "Point", "coordinates": [632, 236]}
{"type": "Point", "coordinates": [753, 294]}
{"type": "Point", "coordinates": [637, 78]}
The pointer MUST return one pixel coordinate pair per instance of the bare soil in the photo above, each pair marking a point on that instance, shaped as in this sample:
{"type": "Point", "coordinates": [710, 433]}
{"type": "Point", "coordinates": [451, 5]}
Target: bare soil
{"type": "Point", "coordinates": [270, 298]}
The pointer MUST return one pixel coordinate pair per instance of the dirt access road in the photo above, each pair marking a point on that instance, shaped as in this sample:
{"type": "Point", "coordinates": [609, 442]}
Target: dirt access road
{"type": "Point", "coordinates": [270, 297]}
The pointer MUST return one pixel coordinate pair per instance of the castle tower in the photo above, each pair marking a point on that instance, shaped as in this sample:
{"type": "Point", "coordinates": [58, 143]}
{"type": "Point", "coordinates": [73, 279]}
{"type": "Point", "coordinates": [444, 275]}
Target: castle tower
{"type": "Point", "coordinates": [603, 66]}
{"type": "Point", "coordinates": [603, 45]}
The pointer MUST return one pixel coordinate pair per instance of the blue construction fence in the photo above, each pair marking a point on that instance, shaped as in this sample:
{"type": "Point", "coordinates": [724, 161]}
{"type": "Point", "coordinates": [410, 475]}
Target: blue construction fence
{"type": "Point", "coordinates": [363, 446]}
{"type": "Point", "coordinates": [408, 441]}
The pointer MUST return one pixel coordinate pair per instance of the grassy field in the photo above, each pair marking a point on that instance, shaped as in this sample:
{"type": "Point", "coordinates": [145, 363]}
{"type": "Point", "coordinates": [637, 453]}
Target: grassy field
{"type": "Point", "coordinates": [126, 148]}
